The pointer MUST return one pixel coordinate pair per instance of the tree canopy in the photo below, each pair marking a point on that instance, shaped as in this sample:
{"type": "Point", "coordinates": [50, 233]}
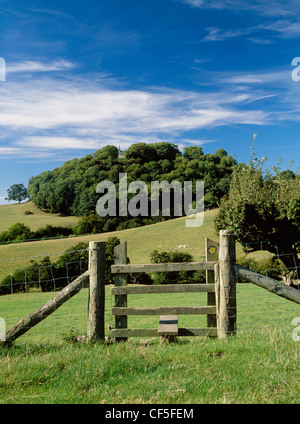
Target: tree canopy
{"type": "Point", "coordinates": [17, 192]}
{"type": "Point", "coordinates": [264, 207]}
{"type": "Point", "coordinates": [71, 188]}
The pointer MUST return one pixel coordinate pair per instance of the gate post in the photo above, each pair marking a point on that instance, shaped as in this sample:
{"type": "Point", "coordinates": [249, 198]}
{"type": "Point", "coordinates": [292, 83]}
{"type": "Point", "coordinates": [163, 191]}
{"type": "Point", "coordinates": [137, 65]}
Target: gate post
{"type": "Point", "coordinates": [121, 280]}
{"type": "Point", "coordinates": [227, 258]}
{"type": "Point", "coordinates": [95, 330]}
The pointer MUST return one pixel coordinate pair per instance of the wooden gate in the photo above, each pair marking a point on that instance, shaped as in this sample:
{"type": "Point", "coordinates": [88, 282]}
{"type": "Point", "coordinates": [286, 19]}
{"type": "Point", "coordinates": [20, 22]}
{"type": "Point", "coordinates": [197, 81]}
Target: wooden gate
{"type": "Point", "coordinates": [217, 324]}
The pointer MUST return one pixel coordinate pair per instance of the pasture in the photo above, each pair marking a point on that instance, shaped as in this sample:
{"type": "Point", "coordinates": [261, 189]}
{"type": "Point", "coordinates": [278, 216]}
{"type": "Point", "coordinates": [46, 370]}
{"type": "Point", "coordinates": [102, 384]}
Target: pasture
{"type": "Point", "coordinates": [49, 365]}
{"type": "Point", "coordinates": [258, 365]}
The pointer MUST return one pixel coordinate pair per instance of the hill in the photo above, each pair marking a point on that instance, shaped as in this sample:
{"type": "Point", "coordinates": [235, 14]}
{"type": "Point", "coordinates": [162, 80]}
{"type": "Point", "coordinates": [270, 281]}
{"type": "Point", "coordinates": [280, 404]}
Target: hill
{"type": "Point", "coordinates": [167, 235]}
{"type": "Point", "coordinates": [10, 214]}
{"type": "Point", "coordinates": [71, 188]}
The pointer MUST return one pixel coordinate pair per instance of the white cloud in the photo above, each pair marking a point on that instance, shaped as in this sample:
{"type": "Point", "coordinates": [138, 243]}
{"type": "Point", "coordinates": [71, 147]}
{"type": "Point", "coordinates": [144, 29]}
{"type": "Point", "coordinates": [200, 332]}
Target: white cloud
{"type": "Point", "coordinates": [36, 66]}
{"type": "Point", "coordinates": [57, 143]}
{"type": "Point", "coordinates": [66, 115]}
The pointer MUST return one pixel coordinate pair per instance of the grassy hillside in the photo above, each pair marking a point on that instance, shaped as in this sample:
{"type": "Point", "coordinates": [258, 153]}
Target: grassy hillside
{"type": "Point", "coordinates": [141, 242]}
{"type": "Point", "coordinates": [10, 214]}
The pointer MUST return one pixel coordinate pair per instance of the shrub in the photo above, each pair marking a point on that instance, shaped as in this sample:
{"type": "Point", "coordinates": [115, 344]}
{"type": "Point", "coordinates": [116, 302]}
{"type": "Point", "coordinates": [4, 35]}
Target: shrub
{"type": "Point", "coordinates": [18, 231]}
{"type": "Point", "coordinates": [269, 267]}
{"type": "Point", "coordinates": [110, 245]}
{"type": "Point", "coordinates": [175, 277]}
{"type": "Point", "coordinates": [91, 224]}
{"type": "Point", "coordinates": [51, 231]}
{"type": "Point", "coordinates": [6, 284]}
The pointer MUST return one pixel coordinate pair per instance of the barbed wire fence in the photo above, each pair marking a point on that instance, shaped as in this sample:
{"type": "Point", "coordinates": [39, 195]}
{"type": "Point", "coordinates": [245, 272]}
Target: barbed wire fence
{"type": "Point", "coordinates": [22, 290]}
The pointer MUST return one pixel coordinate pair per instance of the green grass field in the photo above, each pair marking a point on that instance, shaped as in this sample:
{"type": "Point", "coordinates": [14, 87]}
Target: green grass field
{"type": "Point", "coordinates": [10, 214]}
{"type": "Point", "coordinates": [258, 365]}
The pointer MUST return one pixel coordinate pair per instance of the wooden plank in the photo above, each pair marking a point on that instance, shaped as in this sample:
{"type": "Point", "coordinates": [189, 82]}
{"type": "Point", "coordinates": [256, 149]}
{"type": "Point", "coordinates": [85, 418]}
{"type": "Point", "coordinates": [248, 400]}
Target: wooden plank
{"type": "Point", "coordinates": [164, 288]}
{"type": "Point", "coordinates": [273, 286]}
{"type": "Point", "coordinates": [120, 252]}
{"type": "Point", "coordinates": [167, 267]}
{"type": "Point", "coordinates": [177, 310]}
{"type": "Point", "coordinates": [211, 254]}
{"type": "Point", "coordinates": [152, 332]}
{"type": "Point", "coordinates": [168, 325]}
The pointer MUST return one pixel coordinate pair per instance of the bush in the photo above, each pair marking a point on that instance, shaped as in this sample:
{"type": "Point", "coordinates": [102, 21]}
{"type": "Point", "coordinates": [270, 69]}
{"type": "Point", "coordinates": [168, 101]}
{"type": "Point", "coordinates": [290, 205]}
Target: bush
{"type": "Point", "coordinates": [71, 265]}
{"type": "Point", "coordinates": [175, 277]}
{"type": "Point", "coordinates": [6, 284]}
{"type": "Point", "coordinates": [110, 245]}
{"type": "Point", "coordinates": [19, 278]}
{"type": "Point", "coordinates": [91, 224]}
{"type": "Point", "coordinates": [18, 232]}
{"type": "Point", "coordinates": [51, 231]}
{"type": "Point", "coordinates": [269, 267]}
{"type": "Point", "coordinates": [3, 237]}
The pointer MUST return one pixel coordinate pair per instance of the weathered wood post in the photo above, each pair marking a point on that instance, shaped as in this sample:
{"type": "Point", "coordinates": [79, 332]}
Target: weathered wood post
{"type": "Point", "coordinates": [211, 255]}
{"type": "Point", "coordinates": [227, 258]}
{"type": "Point", "coordinates": [120, 280]}
{"type": "Point", "coordinates": [96, 329]}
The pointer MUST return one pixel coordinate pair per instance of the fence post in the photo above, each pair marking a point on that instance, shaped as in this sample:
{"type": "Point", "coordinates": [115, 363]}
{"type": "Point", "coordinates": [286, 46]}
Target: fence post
{"type": "Point", "coordinates": [120, 280]}
{"type": "Point", "coordinates": [227, 258]}
{"type": "Point", "coordinates": [211, 254]}
{"type": "Point", "coordinates": [96, 329]}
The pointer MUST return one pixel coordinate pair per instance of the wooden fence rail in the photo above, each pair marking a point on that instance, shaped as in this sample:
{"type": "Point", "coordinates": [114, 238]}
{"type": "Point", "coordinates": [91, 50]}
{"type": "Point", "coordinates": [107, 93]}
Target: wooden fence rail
{"type": "Point", "coordinates": [167, 267]}
{"type": "Point", "coordinates": [273, 286]}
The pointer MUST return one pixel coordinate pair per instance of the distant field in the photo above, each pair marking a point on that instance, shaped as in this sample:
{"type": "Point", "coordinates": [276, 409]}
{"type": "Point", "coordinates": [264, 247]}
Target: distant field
{"type": "Point", "coordinates": [142, 241]}
{"type": "Point", "coordinates": [10, 214]}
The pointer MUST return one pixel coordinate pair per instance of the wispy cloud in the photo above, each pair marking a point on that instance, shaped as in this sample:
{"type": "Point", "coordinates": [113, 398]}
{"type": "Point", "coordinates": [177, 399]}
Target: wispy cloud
{"type": "Point", "coordinates": [37, 66]}
{"type": "Point", "coordinates": [279, 19]}
{"type": "Point", "coordinates": [49, 117]}
{"type": "Point", "coordinates": [66, 115]}
{"type": "Point", "coordinates": [276, 8]}
{"type": "Point", "coordinates": [216, 34]}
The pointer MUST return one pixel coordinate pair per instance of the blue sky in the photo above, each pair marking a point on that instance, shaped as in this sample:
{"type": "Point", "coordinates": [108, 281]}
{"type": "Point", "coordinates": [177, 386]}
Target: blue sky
{"type": "Point", "coordinates": [80, 75]}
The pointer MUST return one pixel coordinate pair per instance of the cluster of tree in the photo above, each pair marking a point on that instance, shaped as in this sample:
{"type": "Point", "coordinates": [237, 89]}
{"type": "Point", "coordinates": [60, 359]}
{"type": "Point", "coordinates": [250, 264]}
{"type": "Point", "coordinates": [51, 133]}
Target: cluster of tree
{"type": "Point", "coordinates": [20, 232]}
{"type": "Point", "coordinates": [51, 276]}
{"type": "Point", "coordinates": [71, 188]}
{"type": "Point", "coordinates": [264, 205]}
{"type": "Point", "coordinates": [91, 224]}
